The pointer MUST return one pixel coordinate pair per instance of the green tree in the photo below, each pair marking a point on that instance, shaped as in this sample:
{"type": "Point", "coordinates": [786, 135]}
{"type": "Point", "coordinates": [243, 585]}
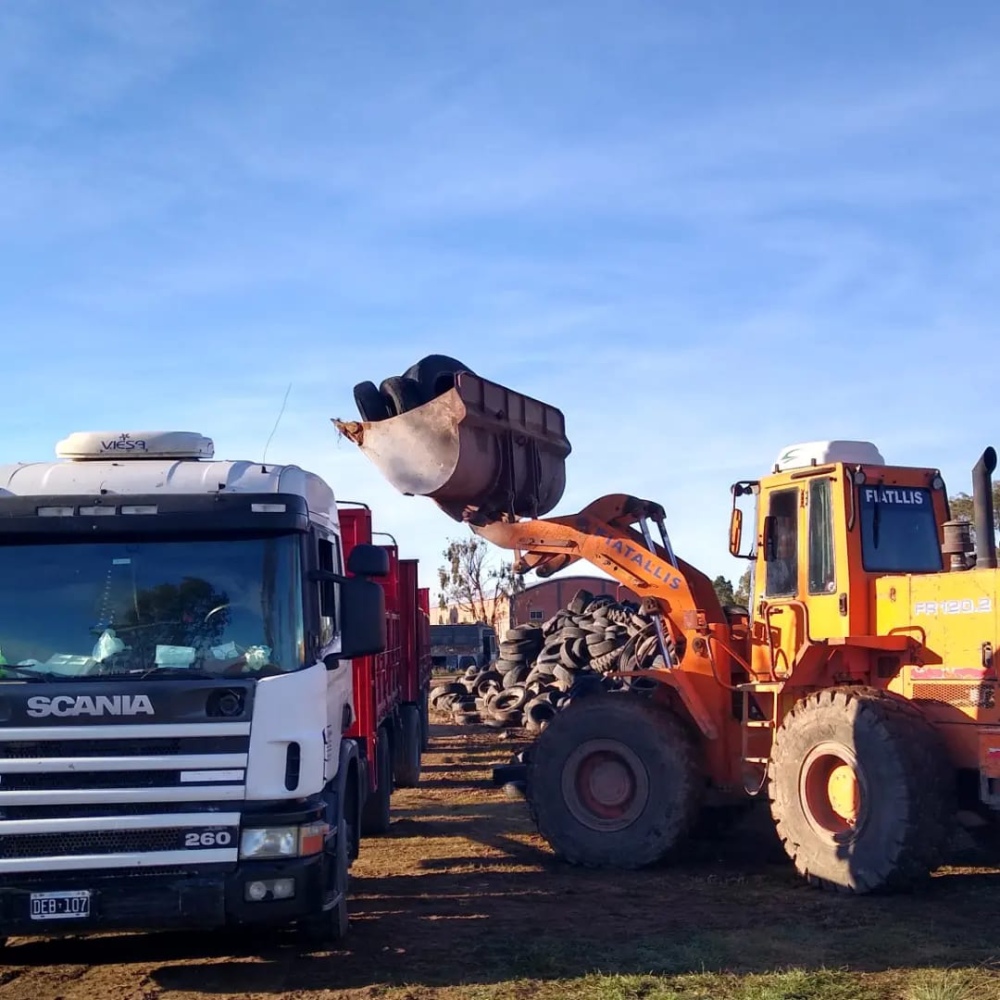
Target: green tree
{"type": "Point", "coordinates": [961, 506]}
{"type": "Point", "coordinates": [742, 595]}
{"type": "Point", "coordinates": [469, 583]}
{"type": "Point", "coordinates": [724, 590]}
{"type": "Point", "coordinates": [175, 615]}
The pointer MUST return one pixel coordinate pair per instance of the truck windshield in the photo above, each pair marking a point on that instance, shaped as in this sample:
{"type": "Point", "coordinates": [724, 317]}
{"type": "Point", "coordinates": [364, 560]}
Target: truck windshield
{"type": "Point", "coordinates": [163, 609]}
{"type": "Point", "coordinates": [898, 530]}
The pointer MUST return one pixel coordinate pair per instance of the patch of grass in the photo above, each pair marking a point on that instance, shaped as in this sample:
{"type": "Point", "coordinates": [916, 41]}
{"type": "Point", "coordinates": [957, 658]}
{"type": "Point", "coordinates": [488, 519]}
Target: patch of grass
{"type": "Point", "coordinates": [790, 984]}
{"type": "Point", "coordinates": [952, 984]}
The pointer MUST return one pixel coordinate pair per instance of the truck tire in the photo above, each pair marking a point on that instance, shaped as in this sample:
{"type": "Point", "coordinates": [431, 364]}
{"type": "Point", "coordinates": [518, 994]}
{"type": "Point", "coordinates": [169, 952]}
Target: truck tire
{"type": "Point", "coordinates": [376, 816]}
{"type": "Point", "coordinates": [331, 924]}
{"type": "Point", "coordinates": [860, 791]}
{"type": "Point", "coordinates": [408, 748]}
{"type": "Point", "coordinates": [614, 782]}
{"type": "Point", "coordinates": [425, 721]}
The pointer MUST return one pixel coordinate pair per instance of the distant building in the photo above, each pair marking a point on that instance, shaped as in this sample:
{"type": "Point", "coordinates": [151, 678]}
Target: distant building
{"type": "Point", "coordinates": [536, 603]}
{"type": "Point", "coordinates": [454, 615]}
{"type": "Point", "coordinates": [541, 601]}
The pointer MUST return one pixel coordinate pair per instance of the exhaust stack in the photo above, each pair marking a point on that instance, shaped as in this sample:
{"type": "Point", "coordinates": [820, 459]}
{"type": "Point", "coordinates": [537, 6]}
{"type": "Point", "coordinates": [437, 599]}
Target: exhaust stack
{"type": "Point", "coordinates": [982, 509]}
{"type": "Point", "coordinates": [482, 452]}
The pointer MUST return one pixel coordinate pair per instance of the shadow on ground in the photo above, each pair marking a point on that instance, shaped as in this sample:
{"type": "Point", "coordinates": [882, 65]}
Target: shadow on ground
{"type": "Point", "coordinates": [463, 892]}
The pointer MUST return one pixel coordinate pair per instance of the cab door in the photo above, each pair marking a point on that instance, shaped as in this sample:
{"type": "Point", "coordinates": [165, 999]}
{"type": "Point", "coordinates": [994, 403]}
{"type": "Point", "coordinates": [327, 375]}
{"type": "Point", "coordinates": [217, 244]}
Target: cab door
{"type": "Point", "coordinates": [779, 615]}
{"type": "Point", "coordinates": [823, 587]}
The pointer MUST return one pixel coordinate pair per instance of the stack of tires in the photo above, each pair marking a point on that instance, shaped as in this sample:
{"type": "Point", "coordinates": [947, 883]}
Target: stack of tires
{"type": "Point", "coordinates": [430, 377]}
{"type": "Point", "coordinates": [543, 667]}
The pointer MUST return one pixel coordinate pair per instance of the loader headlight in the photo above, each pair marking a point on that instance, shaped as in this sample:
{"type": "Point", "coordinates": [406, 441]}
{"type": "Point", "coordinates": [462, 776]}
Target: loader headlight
{"type": "Point", "coordinates": [270, 842]}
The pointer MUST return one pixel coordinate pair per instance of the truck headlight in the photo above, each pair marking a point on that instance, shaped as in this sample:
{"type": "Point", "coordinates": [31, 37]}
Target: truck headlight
{"type": "Point", "coordinates": [270, 842]}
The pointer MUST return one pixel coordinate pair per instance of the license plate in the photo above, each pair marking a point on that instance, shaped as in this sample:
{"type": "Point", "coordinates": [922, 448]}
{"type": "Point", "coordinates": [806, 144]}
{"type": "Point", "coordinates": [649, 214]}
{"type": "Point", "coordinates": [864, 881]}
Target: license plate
{"type": "Point", "coordinates": [60, 905]}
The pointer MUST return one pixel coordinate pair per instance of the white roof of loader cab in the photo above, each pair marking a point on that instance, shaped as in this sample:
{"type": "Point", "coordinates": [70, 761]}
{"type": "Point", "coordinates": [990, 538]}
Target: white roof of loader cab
{"type": "Point", "coordinates": [799, 456]}
{"type": "Point", "coordinates": [150, 462]}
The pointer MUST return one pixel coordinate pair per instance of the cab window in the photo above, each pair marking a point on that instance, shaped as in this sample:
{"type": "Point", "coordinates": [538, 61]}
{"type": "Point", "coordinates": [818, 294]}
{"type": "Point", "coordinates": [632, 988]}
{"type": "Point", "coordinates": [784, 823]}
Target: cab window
{"type": "Point", "coordinates": [782, 567]}
{"type": "Point", "coordinates": [330, 562]}
{"type": "Point", "coordinates": [822, 575]}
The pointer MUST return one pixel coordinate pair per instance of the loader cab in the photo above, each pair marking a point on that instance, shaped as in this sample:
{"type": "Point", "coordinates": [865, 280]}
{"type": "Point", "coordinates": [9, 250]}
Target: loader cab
{"type": "Point", "coordinates": [829, 520]}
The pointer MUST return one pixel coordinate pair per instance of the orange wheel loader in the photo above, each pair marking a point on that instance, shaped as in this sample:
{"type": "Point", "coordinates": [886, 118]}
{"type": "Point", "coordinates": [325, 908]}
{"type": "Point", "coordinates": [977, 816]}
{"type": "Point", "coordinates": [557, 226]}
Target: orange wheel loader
{"type": "Point", "coordinates": [858, 690]}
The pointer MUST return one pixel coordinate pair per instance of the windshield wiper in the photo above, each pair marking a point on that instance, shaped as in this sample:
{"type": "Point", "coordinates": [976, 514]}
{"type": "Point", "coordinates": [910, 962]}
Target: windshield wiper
{"type": "Point", "coordinates": [174, 672]}
{"type": "Point", "coordinates": [12, 670]}
{"type": "Point", "coordinates": [876, 518]}
{"type": "Point", "coordinates": [141, 673]}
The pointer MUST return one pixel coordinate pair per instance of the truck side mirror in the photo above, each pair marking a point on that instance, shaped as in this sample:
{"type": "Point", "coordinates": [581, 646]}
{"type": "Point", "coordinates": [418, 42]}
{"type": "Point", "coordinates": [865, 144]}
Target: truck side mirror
{"type": "Point", "coordinates": [735, 532]}
{"type": "Point", "coordinates": [368, 560]}
{"type": "Point", "coordinates": [362, 611]}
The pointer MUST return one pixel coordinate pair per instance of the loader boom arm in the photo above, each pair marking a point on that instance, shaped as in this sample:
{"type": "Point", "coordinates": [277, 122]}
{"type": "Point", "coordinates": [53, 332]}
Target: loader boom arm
{"type": "Point", "coordinates": [495, 459]}
{"type": "Point", "coordinates": [601, 534]}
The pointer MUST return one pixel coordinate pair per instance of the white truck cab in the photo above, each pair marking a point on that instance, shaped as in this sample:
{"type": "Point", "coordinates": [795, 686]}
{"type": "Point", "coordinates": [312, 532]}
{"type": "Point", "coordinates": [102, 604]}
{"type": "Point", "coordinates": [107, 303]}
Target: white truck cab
{"type": "Point", "coordinates": [176, 636]}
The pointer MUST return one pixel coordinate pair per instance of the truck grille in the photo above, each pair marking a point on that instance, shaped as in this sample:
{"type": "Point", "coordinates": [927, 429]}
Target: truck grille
{"type": "Point", "coordinates": [21, 749]}
{"type": "Point", "coordinates": [97, 842]}
{"type": "Point", "coordinates": [119, 796]}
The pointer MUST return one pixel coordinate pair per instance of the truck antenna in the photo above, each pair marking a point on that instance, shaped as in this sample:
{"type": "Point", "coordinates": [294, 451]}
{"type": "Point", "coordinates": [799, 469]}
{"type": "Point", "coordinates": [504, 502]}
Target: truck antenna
{"type": "Point", "coordinates": [274, 428]}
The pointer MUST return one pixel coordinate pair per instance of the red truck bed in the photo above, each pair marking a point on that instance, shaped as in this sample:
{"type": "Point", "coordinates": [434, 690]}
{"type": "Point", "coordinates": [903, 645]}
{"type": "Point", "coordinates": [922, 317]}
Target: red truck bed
{"type": "Point", "coordinates": [390, 689]}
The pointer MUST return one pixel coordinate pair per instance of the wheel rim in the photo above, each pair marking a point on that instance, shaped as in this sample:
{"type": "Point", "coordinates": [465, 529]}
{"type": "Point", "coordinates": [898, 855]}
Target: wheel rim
{"type": "Point", "coordinates": [605, 785]}
{"type": "Point", "coordinates": [833, 792]}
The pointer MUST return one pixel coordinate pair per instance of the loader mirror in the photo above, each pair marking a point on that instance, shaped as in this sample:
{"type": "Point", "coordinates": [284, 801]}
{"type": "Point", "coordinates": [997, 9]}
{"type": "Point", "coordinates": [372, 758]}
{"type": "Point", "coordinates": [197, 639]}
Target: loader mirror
{"type": "Point", "coordinates": [744, 488]}
{"type": "Point", "coordinates": [362, 610]}
{"type": "Point", "coordinates": [735, 531]}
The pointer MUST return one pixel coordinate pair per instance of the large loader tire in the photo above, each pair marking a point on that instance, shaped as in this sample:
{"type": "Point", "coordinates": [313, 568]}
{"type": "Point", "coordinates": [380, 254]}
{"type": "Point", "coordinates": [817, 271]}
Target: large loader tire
{"type": "Point", "coordinates": [376, 816]}
{"type": "Point", "coordinates": [614, 782]}
{"type": "Point", "coordinates": [861, 791]}
{"type": "Point", "coordinates": [409, 749]}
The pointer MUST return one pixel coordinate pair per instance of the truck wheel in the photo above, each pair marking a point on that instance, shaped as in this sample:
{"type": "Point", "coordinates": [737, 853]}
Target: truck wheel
{"type": "Point", "coordinates": [614, 782]}
{"type": "Point", "coordinates": [331, 925]}
{"type": "Point", "coordinates": [377, 813]}
{"type": "Point", "coordinates": [425, 721]}
{"type": "Point", "coordinates": [860, 791]}
{"type": "Point", "coordinates": [408, 749]}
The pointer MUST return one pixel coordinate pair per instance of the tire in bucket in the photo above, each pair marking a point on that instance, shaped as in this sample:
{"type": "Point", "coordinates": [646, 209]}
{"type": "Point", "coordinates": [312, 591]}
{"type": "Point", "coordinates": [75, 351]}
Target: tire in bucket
{"type": "Point", "coordinates": [614, 782]}
{"type": "Point", "coordinates": [409, 749]}
{"type": "Point", "coordinates": [861, 791]}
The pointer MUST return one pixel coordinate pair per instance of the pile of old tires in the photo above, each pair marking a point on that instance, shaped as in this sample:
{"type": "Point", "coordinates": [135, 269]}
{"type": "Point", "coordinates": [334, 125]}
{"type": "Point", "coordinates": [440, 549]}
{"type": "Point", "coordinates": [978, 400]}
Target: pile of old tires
{"type": "Point", "coordinates": [543, 667]}
{"type": "Point", "coordinates": [429, 378]}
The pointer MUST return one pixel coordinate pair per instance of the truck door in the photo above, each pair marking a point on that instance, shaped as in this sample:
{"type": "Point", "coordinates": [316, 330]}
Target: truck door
{"type": "Point", "coordinates": [779, 612]}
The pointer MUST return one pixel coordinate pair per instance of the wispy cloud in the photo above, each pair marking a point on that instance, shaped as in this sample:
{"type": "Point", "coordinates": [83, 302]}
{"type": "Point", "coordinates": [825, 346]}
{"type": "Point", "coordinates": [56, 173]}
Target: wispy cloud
{"type": "Point", "coordinates": [702, 235]}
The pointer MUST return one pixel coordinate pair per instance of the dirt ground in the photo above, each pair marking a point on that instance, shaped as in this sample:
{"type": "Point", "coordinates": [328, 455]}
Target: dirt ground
{"type": "Point", "coordinates": [462, 900]}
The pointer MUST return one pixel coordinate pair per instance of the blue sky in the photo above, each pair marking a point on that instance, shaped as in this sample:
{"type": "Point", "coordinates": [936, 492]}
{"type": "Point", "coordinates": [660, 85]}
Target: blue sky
{"type": "Point", "coordinates": [703, 230]}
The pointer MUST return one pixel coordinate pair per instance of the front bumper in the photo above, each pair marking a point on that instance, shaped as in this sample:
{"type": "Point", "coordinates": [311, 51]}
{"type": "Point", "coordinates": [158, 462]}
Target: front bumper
{"type": "Point", "coordinates": [204, 899]}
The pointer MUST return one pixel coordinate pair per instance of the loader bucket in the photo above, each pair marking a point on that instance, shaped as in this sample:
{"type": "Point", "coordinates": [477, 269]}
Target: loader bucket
{"type": "Point", "coordinates": [480, 451]}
